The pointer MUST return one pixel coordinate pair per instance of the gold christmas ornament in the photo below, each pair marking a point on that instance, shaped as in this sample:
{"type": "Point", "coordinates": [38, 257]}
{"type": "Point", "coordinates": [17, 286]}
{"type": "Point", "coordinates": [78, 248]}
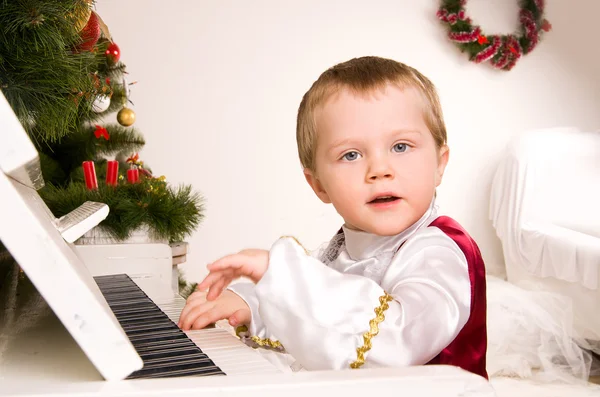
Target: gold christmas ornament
{"type": "Point", "coordinates": [126, 117]}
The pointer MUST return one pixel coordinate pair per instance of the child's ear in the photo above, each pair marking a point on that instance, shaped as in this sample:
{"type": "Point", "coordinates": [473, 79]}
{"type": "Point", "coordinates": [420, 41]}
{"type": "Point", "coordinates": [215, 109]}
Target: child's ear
{"type": "Point", "coordinates": [316, 186]}
{"type": "Point", "coordinates": [443, 155]}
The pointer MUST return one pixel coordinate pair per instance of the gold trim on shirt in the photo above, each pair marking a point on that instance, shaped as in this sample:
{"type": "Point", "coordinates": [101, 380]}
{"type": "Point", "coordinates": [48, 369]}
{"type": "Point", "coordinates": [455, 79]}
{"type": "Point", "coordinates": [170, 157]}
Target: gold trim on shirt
{"type": "Point", "coordinates": [373, 330]}
{"type": "Point", "coordinates": [262, 342]}
{"type": "Point", "coordinates": [297, 242]}
{"type": "Point", "coordinates": [273, 344]}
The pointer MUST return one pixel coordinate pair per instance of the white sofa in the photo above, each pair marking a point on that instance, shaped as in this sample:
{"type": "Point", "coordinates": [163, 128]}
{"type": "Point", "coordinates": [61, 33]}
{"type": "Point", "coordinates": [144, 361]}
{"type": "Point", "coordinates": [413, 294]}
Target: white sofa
{"type": "Point", "coordinates": [545, 207]}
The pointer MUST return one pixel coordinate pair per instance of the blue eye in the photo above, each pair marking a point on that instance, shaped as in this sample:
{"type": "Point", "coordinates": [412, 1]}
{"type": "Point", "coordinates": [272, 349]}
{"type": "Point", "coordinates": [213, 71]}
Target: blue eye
{"type": "Point", "coordinates": [400, 147]}
{"type": "Point", "coordinates": [350, 156]}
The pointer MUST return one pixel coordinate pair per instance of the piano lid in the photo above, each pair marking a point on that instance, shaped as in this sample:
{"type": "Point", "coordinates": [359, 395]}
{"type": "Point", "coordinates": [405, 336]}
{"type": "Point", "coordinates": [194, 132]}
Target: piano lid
{"type": "Point", "coordinates": [28, 231]}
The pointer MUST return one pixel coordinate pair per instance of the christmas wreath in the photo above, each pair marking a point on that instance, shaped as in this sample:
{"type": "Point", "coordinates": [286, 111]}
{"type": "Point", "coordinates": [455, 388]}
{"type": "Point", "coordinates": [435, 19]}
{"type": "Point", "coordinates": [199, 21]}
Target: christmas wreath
{"type": "Point", "coordinates": [503, 51]}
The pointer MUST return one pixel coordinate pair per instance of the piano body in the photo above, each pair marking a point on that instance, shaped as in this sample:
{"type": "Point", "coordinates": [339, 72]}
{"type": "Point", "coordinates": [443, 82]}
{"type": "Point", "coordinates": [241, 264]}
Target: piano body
{"type": "Point", "coordinates": [69, 331]}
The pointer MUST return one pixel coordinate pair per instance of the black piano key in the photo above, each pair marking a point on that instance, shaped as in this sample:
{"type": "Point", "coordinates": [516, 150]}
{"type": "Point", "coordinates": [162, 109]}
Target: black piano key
{"type": "Point", "coordinates": [176, 370]}
{"type": "Point", "coordinates": [159, 351]}
{"type": "Point", "coordinates": [166, 362]}
{"type": "Point", "coordinates": [132, 318]}
{"type": "Point", "coordinates": [166, 344]}
{"type": "Point", "coordinates": [133, 325]}
{"type": "Point", "coordinates": [165, 350]}
{"type": "Point", "coordinates": [137, 303]}
{"type": "Point", "coordinates": [158, 333]}
{"type": "Point", "coordinates": [180, 352]}
{"type": "Point", "coordinates": [146, 328]}
{"type": "Point", "coordinates": [149, 338]}
{"type": "Point", "coordinates": [117, 301]}
{"type": "Point", "coordinates": [125, 311]}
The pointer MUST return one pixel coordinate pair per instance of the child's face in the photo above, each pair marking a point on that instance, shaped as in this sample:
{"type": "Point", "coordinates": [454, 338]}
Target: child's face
{"type": "Point", "coordinates": [375, 145]}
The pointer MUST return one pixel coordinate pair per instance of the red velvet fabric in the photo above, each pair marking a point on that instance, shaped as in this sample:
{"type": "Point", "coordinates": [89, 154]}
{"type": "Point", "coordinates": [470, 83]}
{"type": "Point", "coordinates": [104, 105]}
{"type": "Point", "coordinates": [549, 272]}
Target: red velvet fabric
{"type": "Point", "coordinates": [468, 349]}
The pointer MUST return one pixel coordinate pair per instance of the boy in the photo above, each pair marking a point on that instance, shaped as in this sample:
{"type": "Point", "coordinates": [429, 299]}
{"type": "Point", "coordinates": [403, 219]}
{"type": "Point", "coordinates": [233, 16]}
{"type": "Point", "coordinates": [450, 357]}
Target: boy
{"type": "Point", "coordinates": [398, 285]}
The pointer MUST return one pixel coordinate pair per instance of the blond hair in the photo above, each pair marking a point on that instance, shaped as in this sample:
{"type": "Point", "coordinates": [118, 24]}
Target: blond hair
{"type": "Point", "coordinates": [363, 75]}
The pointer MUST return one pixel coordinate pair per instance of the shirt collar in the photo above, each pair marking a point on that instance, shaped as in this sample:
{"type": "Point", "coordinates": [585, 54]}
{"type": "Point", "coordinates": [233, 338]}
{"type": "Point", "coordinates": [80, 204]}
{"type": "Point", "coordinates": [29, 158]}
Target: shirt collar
{"type": "Point", "coordinates": [362, 245]}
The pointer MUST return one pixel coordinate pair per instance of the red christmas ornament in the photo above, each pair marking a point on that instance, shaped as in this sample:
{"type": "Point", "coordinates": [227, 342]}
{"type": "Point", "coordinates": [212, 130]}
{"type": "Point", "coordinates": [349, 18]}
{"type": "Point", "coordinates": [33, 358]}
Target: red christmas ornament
{"type": "Point", "coordinates": [90, 33]}
{"type": "Point", "coordinates": [113, 53]}
{"type": "Point", "coordinates": [482, 39]}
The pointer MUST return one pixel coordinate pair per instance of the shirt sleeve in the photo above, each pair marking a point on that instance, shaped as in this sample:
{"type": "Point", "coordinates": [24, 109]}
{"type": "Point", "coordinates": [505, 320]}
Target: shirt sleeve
{"type": "Point", "coordinates": [246, 290]}
{"type": "Point", "coordinates": [321, 315]}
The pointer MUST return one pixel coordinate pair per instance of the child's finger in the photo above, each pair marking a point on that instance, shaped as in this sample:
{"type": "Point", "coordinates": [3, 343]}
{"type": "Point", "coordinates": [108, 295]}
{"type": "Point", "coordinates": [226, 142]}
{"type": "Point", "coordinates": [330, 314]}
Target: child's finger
{"type": "Point", "coordinates": [241, 316]}
{"type": "Point", "coordinates": [216, 289]}
{"type": "Point", "coordinates": [191, 313]}
{"type": "Point", "coordinates": [229, 261]}
{"type": "Point", "coordinates": [195, 295]}
{"type": "Point", "coordinates": [190, 304]}
{"type": "Point", "coordinates": [209, 280]}
{"type": "Point", "coordinates": [210, 316]}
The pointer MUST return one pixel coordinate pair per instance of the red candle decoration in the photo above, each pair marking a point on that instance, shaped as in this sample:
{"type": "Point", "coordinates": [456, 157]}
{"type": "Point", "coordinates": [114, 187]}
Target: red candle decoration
{"type": "Point", "coordinates": [89, 174]}
{"type": "Point", "coordinates": [133, 175]}
{"type": "Point", "coordinates": [112, 172]}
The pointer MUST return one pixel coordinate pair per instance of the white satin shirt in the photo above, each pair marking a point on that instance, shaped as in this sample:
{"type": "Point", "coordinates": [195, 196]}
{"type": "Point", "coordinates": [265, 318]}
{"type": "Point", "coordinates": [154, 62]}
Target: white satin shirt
{"type": "Point", "coordinates": [320, 312]}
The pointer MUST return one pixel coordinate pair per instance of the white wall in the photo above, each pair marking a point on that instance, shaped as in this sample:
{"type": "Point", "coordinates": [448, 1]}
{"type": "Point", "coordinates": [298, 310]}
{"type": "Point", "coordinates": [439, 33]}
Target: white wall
{"type": "Point", "coordinates": [219, 83]}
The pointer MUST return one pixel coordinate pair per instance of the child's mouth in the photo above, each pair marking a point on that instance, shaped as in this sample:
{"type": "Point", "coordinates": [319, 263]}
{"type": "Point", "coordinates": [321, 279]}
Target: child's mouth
{"type": "Point", "coordinates": [384, 199]}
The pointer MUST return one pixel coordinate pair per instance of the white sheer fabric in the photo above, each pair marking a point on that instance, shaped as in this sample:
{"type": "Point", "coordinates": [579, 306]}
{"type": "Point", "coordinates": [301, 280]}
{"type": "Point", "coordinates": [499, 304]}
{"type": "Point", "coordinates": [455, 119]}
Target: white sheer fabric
{"type": "Point", "coordinates": [530, 335]}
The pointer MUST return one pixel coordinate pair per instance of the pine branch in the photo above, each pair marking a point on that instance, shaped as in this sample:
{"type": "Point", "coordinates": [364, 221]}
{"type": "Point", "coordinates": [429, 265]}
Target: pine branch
{"type": "Point", "coordinates": [115, 72]}
{"type": "Point", "coordinates": [178, 219]}
{"type": "Point", "coordinates": [39, 76]}
{"type": "Point", "coordinates": [51, 170]}
{"type": "Point", "coordinates": [118, 99]}
{"type": "Point", "coordinates": [83, 145]}
{"type": "Point", "coordinates": [169, 213]}
{"type": "Point", "coordinates": [126, 139]}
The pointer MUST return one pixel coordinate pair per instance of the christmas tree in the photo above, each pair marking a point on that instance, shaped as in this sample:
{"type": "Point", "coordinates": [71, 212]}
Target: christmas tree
{"type": "Point", "coordinates": [61, 72]}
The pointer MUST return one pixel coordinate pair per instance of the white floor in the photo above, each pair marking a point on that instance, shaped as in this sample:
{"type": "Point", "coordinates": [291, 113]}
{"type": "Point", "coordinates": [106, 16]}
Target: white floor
{"type": "Point", "coordinates": [507, 387]}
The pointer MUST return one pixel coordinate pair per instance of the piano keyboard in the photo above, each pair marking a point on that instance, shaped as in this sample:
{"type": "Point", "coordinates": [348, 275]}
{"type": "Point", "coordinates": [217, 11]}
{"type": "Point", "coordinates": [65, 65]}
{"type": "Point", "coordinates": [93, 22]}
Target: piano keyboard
{"type": "Point", "coordinates": [150, 324]}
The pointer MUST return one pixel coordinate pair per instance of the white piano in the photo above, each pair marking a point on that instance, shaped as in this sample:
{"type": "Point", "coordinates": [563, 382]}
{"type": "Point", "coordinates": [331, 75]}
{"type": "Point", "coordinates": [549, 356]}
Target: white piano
{"type": "Point", "coordinates": [67, 332]}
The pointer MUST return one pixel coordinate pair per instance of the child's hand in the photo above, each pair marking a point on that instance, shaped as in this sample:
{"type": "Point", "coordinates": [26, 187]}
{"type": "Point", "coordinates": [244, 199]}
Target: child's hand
{"type": "Point", "coordinates": [251, 263]}
{"type": "Point", "coordinates": [198, 312]}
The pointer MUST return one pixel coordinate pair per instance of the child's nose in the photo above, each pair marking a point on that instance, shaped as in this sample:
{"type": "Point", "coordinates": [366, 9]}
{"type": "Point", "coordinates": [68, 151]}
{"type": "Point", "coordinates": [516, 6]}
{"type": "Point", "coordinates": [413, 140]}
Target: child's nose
{"type": "Point", "coordinates": [380, 169]}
